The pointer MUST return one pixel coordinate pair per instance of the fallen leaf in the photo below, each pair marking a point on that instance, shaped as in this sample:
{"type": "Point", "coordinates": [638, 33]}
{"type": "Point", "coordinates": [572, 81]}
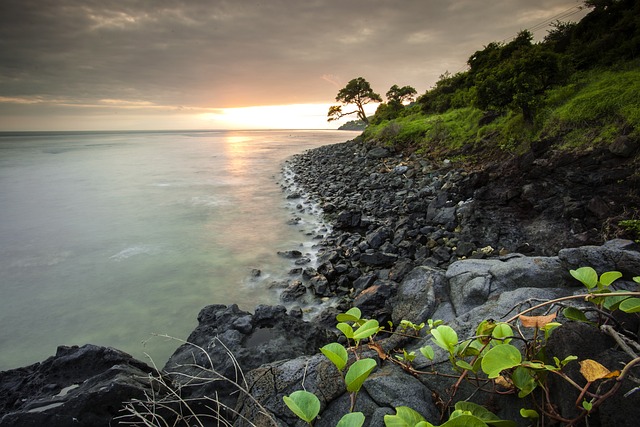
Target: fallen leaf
{"type": "Point", "coordinates": [593, 371]}
{"type": "Point", "coordinates": [502, 381]}
{"type": "Point", "coordinates": [537, 321]}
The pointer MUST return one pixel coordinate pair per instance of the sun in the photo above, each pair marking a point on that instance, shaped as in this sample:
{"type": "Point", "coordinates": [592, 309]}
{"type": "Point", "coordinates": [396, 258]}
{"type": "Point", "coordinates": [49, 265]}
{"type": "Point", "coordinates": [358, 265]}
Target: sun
{"type": "Point", "coordinates": [293, 116]}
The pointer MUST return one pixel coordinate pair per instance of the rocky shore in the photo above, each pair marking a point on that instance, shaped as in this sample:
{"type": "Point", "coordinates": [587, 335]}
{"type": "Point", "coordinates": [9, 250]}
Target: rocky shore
{"type": "Point", "coordinates": [407, 239]}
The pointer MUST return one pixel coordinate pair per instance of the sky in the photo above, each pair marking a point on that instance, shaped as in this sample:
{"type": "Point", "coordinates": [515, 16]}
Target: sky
{"type": "Point", "coordinates": [234, 64]}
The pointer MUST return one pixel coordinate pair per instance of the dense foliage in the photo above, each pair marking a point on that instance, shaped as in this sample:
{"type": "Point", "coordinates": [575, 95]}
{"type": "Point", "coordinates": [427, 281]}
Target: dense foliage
{"type": "Point", "coordinates": [580, 83]}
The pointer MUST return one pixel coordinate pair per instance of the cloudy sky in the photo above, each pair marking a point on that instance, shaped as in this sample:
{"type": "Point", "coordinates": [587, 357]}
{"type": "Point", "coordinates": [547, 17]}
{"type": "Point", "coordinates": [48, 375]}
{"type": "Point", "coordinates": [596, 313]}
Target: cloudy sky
{"type": "Point", "coordinates": [195, 64]}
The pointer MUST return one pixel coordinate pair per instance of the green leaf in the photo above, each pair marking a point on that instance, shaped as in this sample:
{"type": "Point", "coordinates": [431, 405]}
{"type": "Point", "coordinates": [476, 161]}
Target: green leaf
{"type": "Point", "coordinates": [636, 279]}
{"type": "Point", "coordinates": [524, 381]}
{"type": "Point", "coordinates": [427, 351]}
{"type": "Point", "coordinates": [464, 420]}
{"type": "Point", "coordinates": [631, 305]}
{"type": "Point", "coordinates": [337, 354]}
{"type": "Point", "coordinates": [358, 372]}
{"type": "Point", "coordinates": [404, 417]}
{"type": "Point", "coordinates": [587, 405]}
{"type": "Point", "coordinates": [573, 313]}
{"type": "Point", "coordinates": [567, 360]}
{"type": "Point", "coordinates": [499, 358]}
{"type": "Point", "coordinates": [352, 315]}
{"type": "Point", "coordinates": [609, 277]}
{"type": "Point", "coordinates": [346, 329]}
{"type": "Point", "coordinates": [445, 337]}
{"type": "Point", "coordinates": [529, 413]}
{"type": "Point", "coordinates": [612, 301]}
{"type": "Point", "coordinates": [353, 419]}
{"type": "Point", "coordinates": [369, 328]}
{"type": "Point", "coordinates": [586, 275]}
{"type": "Point", "coordinates": [466, 409]}
{"type": "Point", "coordinates": [501, 332]}
{"type": "Point", "coordinates": [304, 404]}
{"type": "Point", "coordinates": [464, 365]}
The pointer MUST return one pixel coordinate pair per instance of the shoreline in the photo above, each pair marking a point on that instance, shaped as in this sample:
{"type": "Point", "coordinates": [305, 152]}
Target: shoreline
{"type": "Point", "coordinates": [406, 238]}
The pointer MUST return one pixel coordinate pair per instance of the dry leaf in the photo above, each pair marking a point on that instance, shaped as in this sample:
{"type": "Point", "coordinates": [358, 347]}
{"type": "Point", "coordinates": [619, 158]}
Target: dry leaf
{"type": "Point", "coordinates": [502, 381]}
{"type": "Point", "coordinates": [537, 321]}
{"type": "Point", "coordinates": [592, 371]}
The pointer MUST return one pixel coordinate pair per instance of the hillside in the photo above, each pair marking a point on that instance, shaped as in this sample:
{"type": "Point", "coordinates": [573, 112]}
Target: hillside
{"type": "Point", "coordinates": [574, 94]}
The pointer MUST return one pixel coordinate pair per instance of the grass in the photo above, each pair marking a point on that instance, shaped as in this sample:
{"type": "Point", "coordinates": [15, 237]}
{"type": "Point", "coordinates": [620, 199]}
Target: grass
{"type": "Point", "coordinates": [596, 108]}
{"type": "Point", "coordinates": [593, 109]}
{"type": "Point", "coordinates": [166, 407]}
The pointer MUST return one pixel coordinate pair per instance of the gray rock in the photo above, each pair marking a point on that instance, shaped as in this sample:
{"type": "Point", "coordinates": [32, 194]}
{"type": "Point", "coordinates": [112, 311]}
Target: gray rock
{"type": "Point", "coordinates": [418, 294]}
{"type": "Point", "coordinates": [378, 153]}
{"type": "Point", "coordinates": [619, 255]}
{"type": "Point", "coordinates": [474, 281]}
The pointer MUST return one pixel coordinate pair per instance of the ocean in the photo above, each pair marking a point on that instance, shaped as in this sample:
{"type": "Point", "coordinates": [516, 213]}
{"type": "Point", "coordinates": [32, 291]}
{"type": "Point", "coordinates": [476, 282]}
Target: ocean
{"type": "Point", "coordinates": [112, 237]}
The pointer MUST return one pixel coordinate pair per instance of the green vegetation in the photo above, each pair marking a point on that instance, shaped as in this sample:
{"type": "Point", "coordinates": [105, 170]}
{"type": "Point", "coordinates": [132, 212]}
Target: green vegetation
{"type": "Point", "coordinates": [507, 357]}
{"type": "Point", "coordinates": [579, 84]}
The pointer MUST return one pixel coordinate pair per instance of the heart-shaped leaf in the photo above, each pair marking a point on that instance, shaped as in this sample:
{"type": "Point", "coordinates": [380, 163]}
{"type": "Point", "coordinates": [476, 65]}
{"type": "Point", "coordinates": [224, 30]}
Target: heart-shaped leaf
{"type": "Point", "coordinates": [304, 404]}
{"type": "Point", "coordinates": [631, 305]}
{"type": "Point", "coordinates": [352, 315]}
{"type": "Point", "coordinates": [353, 419]}
{"type": "Point", "coordinates": [586, 275]}
{"type": "Point", "coordinates": [609, 277]}
{"type": "Point", "coordinates": [404, 417]}
{"type": "Point", "coordinates": [358, 372]}
{"type": "Point", "coordinates": [499, 358]}
{"type": "Point", "coordinates": [445, 337]}
{"type": "Point", "coordinates": [346, 329]}
{"type": "Point", "coordinates": [337, 354]}
{"type": "Point", "coordinates": [573, 313]}
{"type": "Point", "coordinates": [427, 351]}
{"type": "Point", "coordinates": [370, 327]}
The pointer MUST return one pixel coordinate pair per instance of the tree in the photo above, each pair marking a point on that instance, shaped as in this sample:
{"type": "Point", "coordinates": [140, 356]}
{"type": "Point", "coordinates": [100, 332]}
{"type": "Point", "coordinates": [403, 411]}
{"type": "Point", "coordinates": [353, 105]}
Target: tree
{"type": "Point", "coordinates": [358, 92]}
{"type": "Point", "coordinates": [397, 96]}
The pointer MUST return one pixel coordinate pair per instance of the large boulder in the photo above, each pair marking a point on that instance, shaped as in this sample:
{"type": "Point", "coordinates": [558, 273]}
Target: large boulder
{"type": "Point", "coordinates": [386, 388]}
{"type": "Point", "coordinates": [473, 282]}
{"type": "Point", "coordinates": [229, 341]}
{"type": "Point", "coordinates": [79, 386]}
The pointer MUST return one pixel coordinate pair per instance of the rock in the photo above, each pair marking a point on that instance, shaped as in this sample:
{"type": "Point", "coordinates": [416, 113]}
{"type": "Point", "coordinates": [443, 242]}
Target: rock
{"type": "Point", "coordinates": [374, 299]}
{"type": "Point", "coordinates": [378, 259]}
{"type": "Point", "coordinates": [79, 386]}
{"type": "Point", "coordinates": [624, 146]}
{"type": "Point", "coordinates": [290, 254]}
{"type": "Point", "coordinates": [474, 281]}
{"type": "Point", "coordinates": [348, 219]}
{"type": "Point", "coordinates": [587, 342]}
{"type": "Point", "coordinates": [386, 388]}
{"type": "Point", "coordinates": [418, 294]}
{"type": "Point", "coordinates": [378, 153]}
{"type": "Point", "coordinates": [293, 292]}
{"type": "Point", "coordinates": [619, 255]}
{"type": "Point", "coordinates": [269, 334]}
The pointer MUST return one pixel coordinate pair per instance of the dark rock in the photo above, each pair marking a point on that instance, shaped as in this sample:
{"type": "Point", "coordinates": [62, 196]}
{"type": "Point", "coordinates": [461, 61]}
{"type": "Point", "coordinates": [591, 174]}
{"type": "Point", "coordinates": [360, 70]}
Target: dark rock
{"type": "Point", "coordinates": [378, 153]}
{"type": "Point", "coordinates": [624, 146]}
{"type": "Point", "coordinates": [83, 386]}
{"type": "Point", "coordinates": [348, 220]}
{"type": "Point", "coordinates": [290, 254]}
{"type": "Point", "coordinates": [378, 259]}
{"type": "Point", "coordinates": [274, 335]}
{"type": "Point", "coordinates": [293, 292]}
{"type": "Point", "coordinates": [587, 342]}
{"type": "Point", "coordinates": [373, 301]}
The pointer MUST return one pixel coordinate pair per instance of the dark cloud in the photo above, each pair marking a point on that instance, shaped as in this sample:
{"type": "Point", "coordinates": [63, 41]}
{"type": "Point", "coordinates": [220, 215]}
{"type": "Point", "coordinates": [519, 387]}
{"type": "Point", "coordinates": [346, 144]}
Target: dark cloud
{"type": "Point", "coordinates": [223, 53]}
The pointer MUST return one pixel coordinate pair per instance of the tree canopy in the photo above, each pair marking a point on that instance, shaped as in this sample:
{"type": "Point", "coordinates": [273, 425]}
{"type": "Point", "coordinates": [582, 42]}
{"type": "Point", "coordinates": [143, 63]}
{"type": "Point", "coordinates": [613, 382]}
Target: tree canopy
{"type": "Point", "coordinates": [357, 92]}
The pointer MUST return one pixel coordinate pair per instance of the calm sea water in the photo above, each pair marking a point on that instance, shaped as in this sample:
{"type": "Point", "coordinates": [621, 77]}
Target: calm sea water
{"type": "Point", "coordinates": [107, 238]}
